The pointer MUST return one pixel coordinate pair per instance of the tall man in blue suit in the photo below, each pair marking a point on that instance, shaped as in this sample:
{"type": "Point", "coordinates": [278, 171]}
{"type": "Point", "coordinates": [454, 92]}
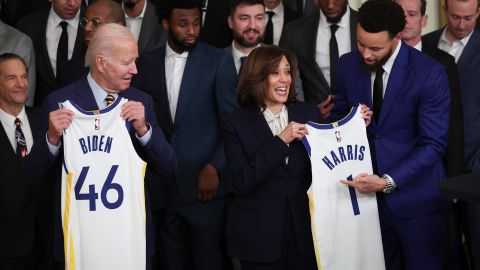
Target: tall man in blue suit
{"type": "Point", "coordinates": [409, 94]}
{"type": "Point", "coordinates": [111, 57]}
{"type": "Point", "coordinates": [461, 39]}
{"type": "Point", "coordinates": [199, 87]}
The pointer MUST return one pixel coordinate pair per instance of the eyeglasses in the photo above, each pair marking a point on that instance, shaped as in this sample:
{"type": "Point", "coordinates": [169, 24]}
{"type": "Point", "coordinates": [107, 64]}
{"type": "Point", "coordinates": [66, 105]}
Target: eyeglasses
{"type": "Point", "coordinates": [95, 22]}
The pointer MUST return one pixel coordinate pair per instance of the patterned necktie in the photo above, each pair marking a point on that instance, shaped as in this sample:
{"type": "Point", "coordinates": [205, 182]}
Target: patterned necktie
{"type": "Point", "coordinates": [377, 94]}
{"type": "Point", "coordinates": [109, 99]}
{"type": "Point", "coordinates": [21, 150]}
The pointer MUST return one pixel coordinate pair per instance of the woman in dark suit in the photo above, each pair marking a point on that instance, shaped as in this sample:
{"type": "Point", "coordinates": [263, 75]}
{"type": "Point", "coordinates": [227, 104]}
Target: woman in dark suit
{"type": "Point", "coordinates": [268, 224]}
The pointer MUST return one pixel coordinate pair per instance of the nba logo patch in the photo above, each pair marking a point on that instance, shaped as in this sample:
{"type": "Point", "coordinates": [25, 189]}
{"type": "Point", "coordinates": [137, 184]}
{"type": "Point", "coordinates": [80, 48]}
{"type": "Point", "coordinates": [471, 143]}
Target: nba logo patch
{"type": "Point", "coordinates": [338, 136]}
{"type": "Point", "coordinates": [97, 123]}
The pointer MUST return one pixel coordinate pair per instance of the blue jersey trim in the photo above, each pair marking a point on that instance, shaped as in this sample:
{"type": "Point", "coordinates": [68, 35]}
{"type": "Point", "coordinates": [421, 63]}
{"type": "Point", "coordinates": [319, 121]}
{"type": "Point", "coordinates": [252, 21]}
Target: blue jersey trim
{"type": "Point", "coordinates": [341, 122]}
{"type": "Point", "coordinates": [105, 110]}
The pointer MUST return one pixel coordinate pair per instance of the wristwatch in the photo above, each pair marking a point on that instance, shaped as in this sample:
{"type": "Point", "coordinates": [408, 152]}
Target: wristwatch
{"type": "Point", "coordinates": [389, 188]}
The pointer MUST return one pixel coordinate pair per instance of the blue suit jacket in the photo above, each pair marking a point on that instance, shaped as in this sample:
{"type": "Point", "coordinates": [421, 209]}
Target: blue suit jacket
{"type": "Point", "coordinates": [43, 166]}
{"type": "Point", "coordinates": [411, 137]}
{"type": "Point", "coordinates": [207, 91]}
{"type": "Point", "coordinates": [468, 66]}
{"type": "Point", "coordinates": [267, 189]}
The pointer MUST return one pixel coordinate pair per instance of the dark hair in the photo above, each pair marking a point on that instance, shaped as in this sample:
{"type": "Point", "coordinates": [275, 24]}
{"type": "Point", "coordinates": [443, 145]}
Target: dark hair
{"type": "Point", "coordinates": [446, 3]}
{"type": "Point", "coordinates": [11, 56]}
{"type": "Point", "coordinates": [252, 86]}
{"type": "Point", "coordinates": [115, 11]}
{"type": "Point", "coordinates": [375, 16]}
{"type": "Point", "coordinates": [423, 7]}
{"type": "Point", "coordinates": [235, 3]}
{"type": "Point", "coordinates": [165, 8]}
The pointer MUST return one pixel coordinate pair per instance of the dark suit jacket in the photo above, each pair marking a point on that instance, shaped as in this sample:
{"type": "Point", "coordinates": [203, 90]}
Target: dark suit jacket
{"type": "Point", "coordinates": [468, 66]}
{"type": "Point", "coordinates": [207, 91]}
{"type": "Point", "coordinates": [17, 215]}
{"type": "Point", "coordinates": [266, 188]}
{"type": "Point", "coordinates": [410, 138]}
{"type": "Point", "coordinates": [289, 15]}
{"type": "Point", "coordinates": [215, 30]}
{"type": "Point", "coordinates": [309, 6]}
{"type": "Point", "coordinates": [42, 166]}
{"type": "Point", "coordinates": [35, 26]}
{"type": "Point", "coordinates": [152, 34]}
{"type": "Point", "coordinates": [300, 37]}
{"type": "Point", "coordinates": [454, 156]}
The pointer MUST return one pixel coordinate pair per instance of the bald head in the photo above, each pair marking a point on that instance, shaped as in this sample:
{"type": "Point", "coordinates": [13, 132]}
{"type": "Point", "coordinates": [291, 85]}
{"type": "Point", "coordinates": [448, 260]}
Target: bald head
{"type": "Point", "coordinates": [100, 12]}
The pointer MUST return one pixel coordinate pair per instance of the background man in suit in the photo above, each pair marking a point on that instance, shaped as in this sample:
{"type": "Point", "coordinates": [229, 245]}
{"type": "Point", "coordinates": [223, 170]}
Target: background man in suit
{"type": "Point", "coordinates": [310, 38]}
{"type": "Point", "coordinates": [17, 217]}
{"type": "Point", "coordinates": [54, 46]}
{"type": "Point", "coordinates": [302, 7]}
{"type": "Point", "coordinates": [215, 30]}
{"type": "Point", "coordinates": [200, 86]}
{"type": "Point", "coordinates": [278, 15]}
{"type": "Point", "coordinates": [408, 137]}
{"type": "Point", "coordinates": [112, 65]}
{"type": "Point", "coordinates": [461, 39]}
{"type": "Point", "coordinates": [247, 21]}
{"type": "Point", "coordinates": [416, 19]}
{"type": "Point", "coordinates": [14, 41]}
{"type": "Point", "coordinates": [143, 22]}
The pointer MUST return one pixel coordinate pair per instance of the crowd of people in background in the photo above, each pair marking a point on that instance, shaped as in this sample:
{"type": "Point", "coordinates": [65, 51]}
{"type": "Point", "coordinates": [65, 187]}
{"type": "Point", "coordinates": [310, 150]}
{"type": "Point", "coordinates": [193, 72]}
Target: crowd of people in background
{"type": "Point", "coordinates": [219, 92]}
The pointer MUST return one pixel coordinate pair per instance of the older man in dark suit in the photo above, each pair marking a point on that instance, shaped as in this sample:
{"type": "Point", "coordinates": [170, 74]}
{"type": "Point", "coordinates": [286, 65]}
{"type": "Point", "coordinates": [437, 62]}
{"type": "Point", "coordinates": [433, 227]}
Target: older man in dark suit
{"type": "Point", "coordinates": [111, 69]}
{"type": "Point", "coordinates": [17, 214]}
{"type": "Point", "coordinates": [57, 37]}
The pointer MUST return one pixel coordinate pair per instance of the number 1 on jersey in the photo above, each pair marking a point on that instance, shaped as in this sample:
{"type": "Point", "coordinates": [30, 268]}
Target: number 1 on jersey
{"type": "Point", "coordinates": [353, 198]}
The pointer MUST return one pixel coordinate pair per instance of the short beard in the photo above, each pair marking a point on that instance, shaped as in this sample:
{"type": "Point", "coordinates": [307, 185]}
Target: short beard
{"type": "Point", "coordinates": [244, 43]}
{"type": "Point", "coordinates": [129, 4]}
{"type": "Point", "coordinates": [180, 44]}
{"type": "Point", "coordinates": [378, 65]}
{"type": "Point", "coordinates": [339, 17]}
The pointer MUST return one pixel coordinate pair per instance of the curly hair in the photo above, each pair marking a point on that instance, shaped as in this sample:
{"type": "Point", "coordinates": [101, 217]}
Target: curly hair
{"type": "Point", "coordinates": [252, 86]}
{"type": "Point", "coordinates": [165, 9]}
{"type": "Point", "coordinates": [381, 15]}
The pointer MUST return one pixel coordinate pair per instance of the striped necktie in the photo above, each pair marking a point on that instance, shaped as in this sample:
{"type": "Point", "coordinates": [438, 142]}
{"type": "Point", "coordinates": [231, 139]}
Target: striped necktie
{"type": "Point", "coordinates": [109, 99]}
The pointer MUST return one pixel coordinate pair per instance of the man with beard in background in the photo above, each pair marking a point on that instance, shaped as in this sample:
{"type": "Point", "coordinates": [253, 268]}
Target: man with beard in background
{"type": "Point", "coordinates": [199, 87]}
{"type": "Point", "coordinates": [410, 97]}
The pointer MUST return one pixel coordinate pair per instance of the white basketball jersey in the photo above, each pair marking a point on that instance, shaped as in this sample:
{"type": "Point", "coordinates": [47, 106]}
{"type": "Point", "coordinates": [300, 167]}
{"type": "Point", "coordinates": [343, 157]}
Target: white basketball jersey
{"type": "Point", "coordinates": [345, 223]}
{"type": "Point", "coordinates": [103, 200]}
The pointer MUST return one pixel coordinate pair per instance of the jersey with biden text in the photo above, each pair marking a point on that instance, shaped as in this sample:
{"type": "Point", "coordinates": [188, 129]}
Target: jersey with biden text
{"type": "Point", "coordinates": [103, 201]}
{"type": "Point", "coordinates": [345, 223]}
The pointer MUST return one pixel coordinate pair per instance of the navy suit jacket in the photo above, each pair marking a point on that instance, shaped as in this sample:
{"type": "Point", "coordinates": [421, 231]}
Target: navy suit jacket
{"type": "Point", "coordinates": [267, 189]}
{"type": "Point", "coordinates": [207, 91]}
{"type": "Point", "coordinates": [410, 138]}
{"type": "Point", "coordinates": [468, 66]}
{"type": "Point", "coordinates": [43, 166]}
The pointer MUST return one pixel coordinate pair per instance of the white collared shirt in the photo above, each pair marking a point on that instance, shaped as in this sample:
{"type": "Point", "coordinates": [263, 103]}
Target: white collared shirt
{"type": "Point", "coordinates": [53, 33]}
{"type": "Point", "coordinates": [418, 46]}
{"type": "Point", "coordinates": [237, 55]}
{"type": "Point", "coordinates": [174, 67]}
{"type": "Point", "coordinates": [135, 24]}
{"type": "Point", "coordinates": [456, 48]}
{"type": "Point", "coordinates": [322, 51]}
{"type": "Point", "coordinates": [387, 68]}
{"type": "Point", "coordinates": [277, 21]}
{"type": "Point", "coordinates": [8, 123]}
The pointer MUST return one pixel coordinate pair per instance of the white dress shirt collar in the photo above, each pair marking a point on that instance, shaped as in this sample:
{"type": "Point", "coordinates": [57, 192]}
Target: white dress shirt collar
{"type": "Point", "coordinates": [344, 21]}
{"type": "Point", "coordinates": [387, 67]}
{"type": "Point", "coordinates": [237, 54]}
{"type": "Point", "coordinates": [98, 92]}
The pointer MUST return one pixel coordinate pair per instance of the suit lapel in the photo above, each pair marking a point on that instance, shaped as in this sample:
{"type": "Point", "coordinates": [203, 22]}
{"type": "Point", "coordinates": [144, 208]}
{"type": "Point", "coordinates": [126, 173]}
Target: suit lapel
{"type": "Point", "coordinates": [79, 48]}
{"type": "Point", "coordinates": [84, 96]}
{"type": "Point", "coordinates": [192, 76]}
{"type": "Point", "coordinates": [397, 76]}
{"type": "Point", "coordinates": [313, 48]}
{"type": "Point", "coordinates": [44, 50]}
{"type": "Point", "coordinates": [353, 29]}
{"type": "Point", "coordinates": [258, 125]}
{"type": "Point", "coordinates": [470, 52]}
{"type": "Point", "coordinates": [5, 142]}
{"type": "Point", "coordinates": [146, 29]}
